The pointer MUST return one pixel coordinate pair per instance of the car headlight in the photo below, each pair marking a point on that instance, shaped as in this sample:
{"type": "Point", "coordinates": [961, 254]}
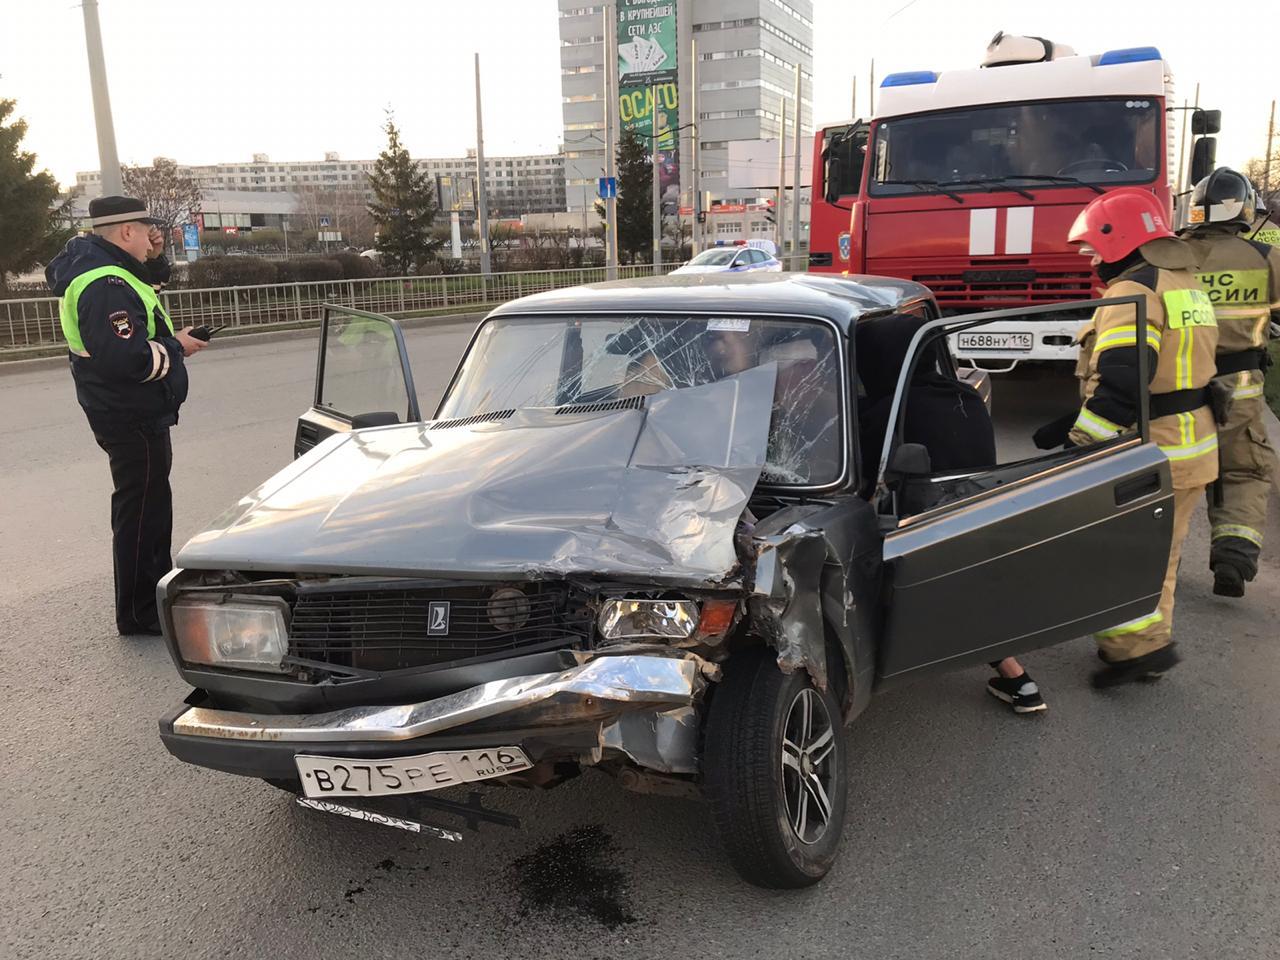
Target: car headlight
{"type": "Point", "coordinates": [245, 633]}
{"type": "Point", "coordinates": [647, 619]}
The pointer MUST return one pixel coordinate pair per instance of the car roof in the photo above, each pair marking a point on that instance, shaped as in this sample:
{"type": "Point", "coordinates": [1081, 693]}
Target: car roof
{"type": "Point", "coordinates": [844, 300]}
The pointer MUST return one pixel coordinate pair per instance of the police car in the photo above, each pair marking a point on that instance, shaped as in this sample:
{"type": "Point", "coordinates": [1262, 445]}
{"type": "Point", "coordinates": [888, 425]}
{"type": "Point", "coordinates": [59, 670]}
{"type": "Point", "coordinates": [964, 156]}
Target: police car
{"type": "Point", "coordinates": [746, 255]}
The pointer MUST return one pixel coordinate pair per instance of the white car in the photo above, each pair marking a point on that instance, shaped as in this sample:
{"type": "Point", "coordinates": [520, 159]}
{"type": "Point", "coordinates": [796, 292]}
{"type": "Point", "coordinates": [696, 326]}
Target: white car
{"type": "Point", "coordinates": [731, 260]}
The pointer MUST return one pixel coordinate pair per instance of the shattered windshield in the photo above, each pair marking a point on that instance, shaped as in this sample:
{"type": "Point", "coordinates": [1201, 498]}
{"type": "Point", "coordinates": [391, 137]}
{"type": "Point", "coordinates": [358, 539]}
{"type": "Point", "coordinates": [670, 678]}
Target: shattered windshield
{"type": "Point", "coordinates": [517, 363]}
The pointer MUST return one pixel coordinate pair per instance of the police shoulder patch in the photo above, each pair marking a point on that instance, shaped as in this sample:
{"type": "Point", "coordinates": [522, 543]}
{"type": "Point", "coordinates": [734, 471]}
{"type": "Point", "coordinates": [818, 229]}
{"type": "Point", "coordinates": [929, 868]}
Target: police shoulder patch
{"type": "Point", "coordinates": [121, 324]}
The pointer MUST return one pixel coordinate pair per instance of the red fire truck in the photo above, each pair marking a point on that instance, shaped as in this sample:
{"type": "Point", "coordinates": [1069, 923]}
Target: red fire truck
{"type": "Point", "coordinates": [968, 180]}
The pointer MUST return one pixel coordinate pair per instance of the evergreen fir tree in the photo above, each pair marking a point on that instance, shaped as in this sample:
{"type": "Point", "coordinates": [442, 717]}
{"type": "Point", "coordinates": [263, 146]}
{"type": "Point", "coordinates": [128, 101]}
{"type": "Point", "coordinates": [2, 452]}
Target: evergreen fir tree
{"type": "Point", "coordinates": [403, 207]}
{"type": "Point", "coordinates": [635, 198]}
{"type": "Point", "coordinates": [33, 226]}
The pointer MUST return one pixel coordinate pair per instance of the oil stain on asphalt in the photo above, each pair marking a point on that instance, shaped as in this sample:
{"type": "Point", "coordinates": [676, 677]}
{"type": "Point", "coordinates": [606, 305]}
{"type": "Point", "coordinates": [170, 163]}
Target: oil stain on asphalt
{"type": "Point", "coordinates": [573, 875]}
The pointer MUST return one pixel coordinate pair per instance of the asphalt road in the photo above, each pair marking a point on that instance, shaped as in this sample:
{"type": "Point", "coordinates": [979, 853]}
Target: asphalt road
{"type": "Point", "coordinates": [1140, 823]}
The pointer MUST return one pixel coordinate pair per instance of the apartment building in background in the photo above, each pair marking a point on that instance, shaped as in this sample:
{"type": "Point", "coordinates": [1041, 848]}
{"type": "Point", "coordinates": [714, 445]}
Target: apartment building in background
{"type": "Point", "coordinates": [517, 185]}
{"type": "Point", "coordinates": [747, 55]}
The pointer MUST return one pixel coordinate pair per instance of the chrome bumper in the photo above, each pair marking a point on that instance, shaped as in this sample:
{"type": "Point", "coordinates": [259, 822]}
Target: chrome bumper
{"type": "Point", "coordinates": [599, 690]}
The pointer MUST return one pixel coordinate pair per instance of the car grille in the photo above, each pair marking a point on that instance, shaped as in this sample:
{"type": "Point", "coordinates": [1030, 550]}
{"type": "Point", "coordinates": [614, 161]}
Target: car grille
{"type": "Point", "coordinates": [394, 629]}
{"type": "Point", "coordinates": [996, 287]}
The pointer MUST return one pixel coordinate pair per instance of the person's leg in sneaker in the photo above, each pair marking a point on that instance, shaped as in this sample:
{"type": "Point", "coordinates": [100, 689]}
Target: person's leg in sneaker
{"type": "Point", "coordinates": [1142, 649]}
{"type": "Point", "coordinates": [1014, 686]}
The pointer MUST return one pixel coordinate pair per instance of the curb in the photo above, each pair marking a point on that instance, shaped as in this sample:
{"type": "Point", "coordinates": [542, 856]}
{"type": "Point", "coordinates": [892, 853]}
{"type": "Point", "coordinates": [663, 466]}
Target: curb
{"type": "Point", "coordinates": [275, 334]}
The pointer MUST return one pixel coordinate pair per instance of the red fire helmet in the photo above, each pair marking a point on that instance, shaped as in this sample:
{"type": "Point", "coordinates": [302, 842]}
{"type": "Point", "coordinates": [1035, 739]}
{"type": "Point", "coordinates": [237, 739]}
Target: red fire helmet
{"type": "Point", "coordinates": [1118, 222]}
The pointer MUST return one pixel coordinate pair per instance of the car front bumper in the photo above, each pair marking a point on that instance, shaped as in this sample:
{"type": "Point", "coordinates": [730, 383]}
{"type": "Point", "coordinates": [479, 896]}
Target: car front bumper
{"type": "Point", "coordinates": [636, 705]}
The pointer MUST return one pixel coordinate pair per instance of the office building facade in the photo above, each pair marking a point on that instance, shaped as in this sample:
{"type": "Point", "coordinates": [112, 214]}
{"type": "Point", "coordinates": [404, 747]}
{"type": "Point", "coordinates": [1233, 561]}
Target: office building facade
{"type": "Point", "coordinates": [747, 52]}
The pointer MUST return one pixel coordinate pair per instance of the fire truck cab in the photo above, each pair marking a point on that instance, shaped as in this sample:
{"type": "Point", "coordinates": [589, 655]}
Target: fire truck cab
{"type": "Point", "coordinates": [967, 181]}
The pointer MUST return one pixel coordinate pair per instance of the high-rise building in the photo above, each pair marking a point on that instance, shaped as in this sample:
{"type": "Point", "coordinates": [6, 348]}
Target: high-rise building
{"type": "Point", "coordinates": [747, 55]}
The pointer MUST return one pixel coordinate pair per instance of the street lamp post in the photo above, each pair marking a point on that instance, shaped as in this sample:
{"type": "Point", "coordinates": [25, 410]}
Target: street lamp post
{"type": "Point", "coordinates": [795, 178]}
{"type": "Point", "coordinates": [108, 161]}
{"type": "Point", "coordinates": [482, 193]}
{"type": "Point", "coordinates": [657, 184]}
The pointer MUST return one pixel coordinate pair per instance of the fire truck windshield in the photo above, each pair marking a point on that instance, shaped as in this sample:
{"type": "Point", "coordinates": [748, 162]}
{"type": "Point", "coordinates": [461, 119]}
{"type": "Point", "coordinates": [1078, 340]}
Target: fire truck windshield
{"type": "Point", "coordinates": [1055, 142]}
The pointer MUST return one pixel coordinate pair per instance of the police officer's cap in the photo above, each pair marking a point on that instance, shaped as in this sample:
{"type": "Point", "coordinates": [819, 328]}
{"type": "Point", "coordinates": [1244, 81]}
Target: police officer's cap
{"type": "Point", "coordinates": [1225, 196]}
{"type": "Point", "coordinates": [104, 211]}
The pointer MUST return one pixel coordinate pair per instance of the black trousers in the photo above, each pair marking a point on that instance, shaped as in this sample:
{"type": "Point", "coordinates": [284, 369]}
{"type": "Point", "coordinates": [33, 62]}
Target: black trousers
{"type": "Point", "coordinates": [141, 520]}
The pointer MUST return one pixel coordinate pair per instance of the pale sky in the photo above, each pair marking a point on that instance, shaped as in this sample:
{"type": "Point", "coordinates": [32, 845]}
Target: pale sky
{"type": "Point", "coordinates": [217, 80]}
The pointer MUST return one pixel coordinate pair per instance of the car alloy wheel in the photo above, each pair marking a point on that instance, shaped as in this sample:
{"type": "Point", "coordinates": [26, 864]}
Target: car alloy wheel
{"type": "Point", "coordinates": [773, 767]}
{"type": "Point", "coordinates": [808, 766]}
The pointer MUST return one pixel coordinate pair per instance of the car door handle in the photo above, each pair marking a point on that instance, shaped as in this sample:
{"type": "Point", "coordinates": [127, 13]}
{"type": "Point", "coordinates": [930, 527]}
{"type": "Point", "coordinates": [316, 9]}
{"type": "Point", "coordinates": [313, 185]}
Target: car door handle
{"type": "Point", "coordinates": [1135, 488]}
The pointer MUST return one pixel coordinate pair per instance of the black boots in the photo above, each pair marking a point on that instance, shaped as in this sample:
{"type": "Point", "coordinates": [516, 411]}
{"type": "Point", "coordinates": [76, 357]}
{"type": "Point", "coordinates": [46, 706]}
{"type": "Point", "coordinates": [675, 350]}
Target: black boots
{"type": "Point", "coordinates": [1150, 666]}
{"type": "Point", "coordinates": [1228, 580]}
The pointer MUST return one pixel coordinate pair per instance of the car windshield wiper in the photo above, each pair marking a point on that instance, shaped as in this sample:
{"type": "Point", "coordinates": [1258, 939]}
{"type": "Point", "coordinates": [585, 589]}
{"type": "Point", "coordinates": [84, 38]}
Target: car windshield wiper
{"type": "Point", "coordinates": [929, 186]}
{"type": "Point", "coordinates": [1054, 178]}
{"type": "Point", "coordinates": [992, 182]}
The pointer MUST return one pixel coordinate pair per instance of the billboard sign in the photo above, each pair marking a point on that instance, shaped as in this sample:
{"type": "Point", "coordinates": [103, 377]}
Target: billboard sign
{"type": "Point", "coordinates": [190, 236]}
{"type": "Point", "coordinates": [455, 194]}
{"type": "Point", "coordinates": [648, 89]}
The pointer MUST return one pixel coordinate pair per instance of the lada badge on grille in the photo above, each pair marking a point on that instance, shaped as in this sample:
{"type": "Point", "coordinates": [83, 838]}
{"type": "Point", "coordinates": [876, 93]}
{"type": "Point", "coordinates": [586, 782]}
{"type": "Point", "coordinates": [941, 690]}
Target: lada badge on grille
{"type": "Point", "coordinates": [438, 618]}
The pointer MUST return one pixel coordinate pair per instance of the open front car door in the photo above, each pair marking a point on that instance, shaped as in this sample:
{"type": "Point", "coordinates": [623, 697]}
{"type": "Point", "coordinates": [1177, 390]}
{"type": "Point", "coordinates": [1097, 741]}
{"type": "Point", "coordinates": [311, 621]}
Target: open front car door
{"type": "Point", "coordinates": [362, 377]}
{"type": "Point", "coordinates": [1035, 550]}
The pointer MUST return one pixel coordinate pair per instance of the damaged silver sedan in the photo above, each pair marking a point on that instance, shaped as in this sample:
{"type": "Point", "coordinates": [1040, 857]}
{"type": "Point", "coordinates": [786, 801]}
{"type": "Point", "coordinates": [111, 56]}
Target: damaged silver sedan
{"type": "Point", "coordinates": [638, 535]}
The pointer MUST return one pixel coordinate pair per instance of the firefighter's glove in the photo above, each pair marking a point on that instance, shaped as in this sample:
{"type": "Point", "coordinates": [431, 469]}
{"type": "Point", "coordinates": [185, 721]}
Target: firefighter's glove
{"type": "Point", "coordinates": [1054, 434]}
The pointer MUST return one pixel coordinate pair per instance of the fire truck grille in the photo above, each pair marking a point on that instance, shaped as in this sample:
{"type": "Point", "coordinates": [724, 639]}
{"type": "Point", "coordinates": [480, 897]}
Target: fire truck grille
{"type": "Point", "coordinates": [1010, 287]}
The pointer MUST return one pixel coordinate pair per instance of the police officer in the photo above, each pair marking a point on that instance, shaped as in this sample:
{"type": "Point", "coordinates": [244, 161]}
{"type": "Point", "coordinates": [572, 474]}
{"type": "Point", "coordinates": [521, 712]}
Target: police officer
{"type": "Point", "coordinates": [1136, 253]}
{"type": "Point", "coordinates": [128, 366]}
{"type": "Point", "coordinates": [1242, 277]}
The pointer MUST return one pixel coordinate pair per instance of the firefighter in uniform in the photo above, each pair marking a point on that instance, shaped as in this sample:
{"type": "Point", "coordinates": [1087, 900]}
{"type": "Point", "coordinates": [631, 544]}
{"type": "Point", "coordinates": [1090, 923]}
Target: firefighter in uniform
{"type": "Point", "coordinates": [1242, 278]}
{"type": "Point", "coordinates": [1136, 254]}
{"type": "Point", "coordinates": [128, 366]}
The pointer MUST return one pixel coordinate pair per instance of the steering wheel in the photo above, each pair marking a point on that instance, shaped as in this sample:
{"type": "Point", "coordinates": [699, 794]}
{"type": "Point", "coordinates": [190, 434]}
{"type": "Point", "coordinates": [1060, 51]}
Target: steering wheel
{"type": "Point", "coordinates": [1094, 163]}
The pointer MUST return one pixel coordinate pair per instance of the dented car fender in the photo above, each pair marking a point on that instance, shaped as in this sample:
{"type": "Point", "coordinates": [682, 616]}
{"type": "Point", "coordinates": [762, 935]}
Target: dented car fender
{"type": "Point", "coordinates": [816, 577]}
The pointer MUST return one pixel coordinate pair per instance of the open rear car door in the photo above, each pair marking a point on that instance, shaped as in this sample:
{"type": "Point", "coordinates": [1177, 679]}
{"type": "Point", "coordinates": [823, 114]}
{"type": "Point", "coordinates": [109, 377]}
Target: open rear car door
{"type": "Point", "coordinates": [362, 377]}
{"type": "Point", "coordinates": [985, 564]}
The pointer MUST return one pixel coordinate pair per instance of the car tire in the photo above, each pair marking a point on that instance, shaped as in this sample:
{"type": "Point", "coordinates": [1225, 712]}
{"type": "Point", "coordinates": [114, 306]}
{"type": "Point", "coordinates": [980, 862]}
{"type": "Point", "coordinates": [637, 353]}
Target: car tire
{"type": "Point", "coordinates": [773, 771]}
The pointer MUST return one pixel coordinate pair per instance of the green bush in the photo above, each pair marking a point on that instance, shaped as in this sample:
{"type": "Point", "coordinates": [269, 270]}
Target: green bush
{"type": "Point", "coordinates": [231, 271]}
{"type": "Point", "coordinates": [317, 269]}
{"type": "Point", "coordinates": [354, 266]}
{"type": "Point", "coordinates": [286, 271]}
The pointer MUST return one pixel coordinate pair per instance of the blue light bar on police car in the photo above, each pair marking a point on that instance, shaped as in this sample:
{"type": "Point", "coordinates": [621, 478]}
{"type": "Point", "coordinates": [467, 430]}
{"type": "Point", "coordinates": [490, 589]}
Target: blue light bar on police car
{"type": "Point", "coordinates": [1129, 55]}
{"type": "Point", "coordinates": [909, 78]}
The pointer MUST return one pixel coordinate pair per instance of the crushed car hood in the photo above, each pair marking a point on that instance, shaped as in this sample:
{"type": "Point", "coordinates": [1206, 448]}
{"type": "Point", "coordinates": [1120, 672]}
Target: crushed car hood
{"type": "Point", "coordinates": [650, 491]}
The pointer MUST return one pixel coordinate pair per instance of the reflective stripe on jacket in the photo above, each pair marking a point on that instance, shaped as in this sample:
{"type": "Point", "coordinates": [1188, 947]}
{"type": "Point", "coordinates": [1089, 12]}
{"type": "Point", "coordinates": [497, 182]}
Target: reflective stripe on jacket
{"type": "Point", "coordinates": [1181, 340]}
{"type": "Point", "coordinates": [1242, 278]}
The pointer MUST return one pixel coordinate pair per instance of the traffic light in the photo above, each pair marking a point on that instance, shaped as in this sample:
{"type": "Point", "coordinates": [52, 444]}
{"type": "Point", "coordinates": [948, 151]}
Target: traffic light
{"type": "Point", "coordinates": [702, 216]}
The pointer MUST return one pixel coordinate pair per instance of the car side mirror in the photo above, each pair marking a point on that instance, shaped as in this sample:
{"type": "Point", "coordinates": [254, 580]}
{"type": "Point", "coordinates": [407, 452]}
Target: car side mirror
{"type": "Point", "coordinates": [1206, 122]}
{"type": "Point", "coordinates": [1204, 156]}
{"type": "Point", "coordinates": [908, 460]}
{"type": "Point", "coordinates": [377, 418]}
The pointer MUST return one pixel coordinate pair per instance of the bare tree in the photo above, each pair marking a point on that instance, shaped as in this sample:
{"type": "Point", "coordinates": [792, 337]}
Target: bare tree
{"type": "Point", "coordinates": [346, 211]}
{"type": "Point", "coordinates": [1256, 171]}
{"type": "Point", "coordinates": [169, 194]}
